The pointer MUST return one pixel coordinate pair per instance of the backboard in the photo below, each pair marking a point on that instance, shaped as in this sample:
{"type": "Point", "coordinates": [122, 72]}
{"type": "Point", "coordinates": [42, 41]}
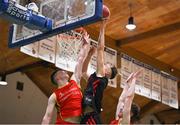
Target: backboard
{"type": "Point", "coordinates": [65, 15]}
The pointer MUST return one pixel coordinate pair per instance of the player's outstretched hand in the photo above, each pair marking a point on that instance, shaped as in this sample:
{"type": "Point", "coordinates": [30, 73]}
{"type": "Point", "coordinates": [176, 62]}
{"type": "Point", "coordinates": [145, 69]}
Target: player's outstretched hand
{"type": "Point", "coordinates": [86, 38]}
{"type": "Point", "coordinates": [133, 75]}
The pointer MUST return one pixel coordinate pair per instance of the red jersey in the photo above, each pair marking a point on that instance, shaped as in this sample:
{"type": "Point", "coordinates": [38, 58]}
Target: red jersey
{"type": "Point", "coordinates": [69, 99]}
{"type": "Point", "coordinates": [114, 122]}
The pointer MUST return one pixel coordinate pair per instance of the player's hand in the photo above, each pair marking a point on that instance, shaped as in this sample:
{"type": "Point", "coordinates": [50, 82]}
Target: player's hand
{"type": "Point", "coordinates": [86, 38]}
{"type": "Point", "coordinates": [129, 78]}
{"type": "Point", "coordinates": [136, 74]}
{"type": "Point", "coordinates": [133, 75]}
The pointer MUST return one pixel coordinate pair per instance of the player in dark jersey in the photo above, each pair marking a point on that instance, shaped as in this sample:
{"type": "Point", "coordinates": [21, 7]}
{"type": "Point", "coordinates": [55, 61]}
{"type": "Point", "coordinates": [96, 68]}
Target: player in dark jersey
{"type": "Point", "coordinates": [97, 82]}
{"type": "Point", "coordinates": [67, 98]}
{"type": "Point", "coordinates": [127, 112]}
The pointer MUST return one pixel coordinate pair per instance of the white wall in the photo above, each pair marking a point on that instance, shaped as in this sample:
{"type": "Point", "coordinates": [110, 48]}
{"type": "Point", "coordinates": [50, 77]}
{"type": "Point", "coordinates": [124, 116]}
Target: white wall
{"type": "Point", "coordinates": [29, 108]}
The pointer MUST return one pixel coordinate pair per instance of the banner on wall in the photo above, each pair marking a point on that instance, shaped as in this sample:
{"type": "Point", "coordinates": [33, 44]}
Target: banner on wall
{"type": "Point", "coordinates": [137, 65]}
{"type": "Point", "coordinates": [156, 85]}
{"type": "Point", "coordinates": [152, 83]}
{"type": "Point", "coordinates": [165, 88]}
{"type": "Point", "coordinates": [173, 96]}
{"type": "Point", "coordinates": [47, 49]}
{"type": "Point", "coordinates": [126, 68]}
{"type": "Point", "coordinates": [147, 80]}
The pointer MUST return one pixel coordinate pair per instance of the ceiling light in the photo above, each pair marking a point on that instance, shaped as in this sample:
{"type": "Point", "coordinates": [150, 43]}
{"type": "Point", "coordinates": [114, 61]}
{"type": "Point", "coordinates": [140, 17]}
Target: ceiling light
{"type": "Point", "coordinates": [3, 80]}
{"type": "Point", "coordinates": [131, 26]}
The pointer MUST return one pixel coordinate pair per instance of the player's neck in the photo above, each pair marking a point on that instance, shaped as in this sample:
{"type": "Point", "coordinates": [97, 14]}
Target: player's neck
{"type": "Point", "coordinates": [62, 83]}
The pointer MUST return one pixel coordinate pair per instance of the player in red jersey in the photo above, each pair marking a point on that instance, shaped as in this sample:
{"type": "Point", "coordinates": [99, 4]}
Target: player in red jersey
{"type": "Point", "coordinates": [127, 112]}
{"type": "Point", "coordinates": [67, 98]}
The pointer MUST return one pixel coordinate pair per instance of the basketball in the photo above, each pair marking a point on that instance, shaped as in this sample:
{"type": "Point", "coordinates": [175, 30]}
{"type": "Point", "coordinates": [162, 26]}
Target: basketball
{"type": "Point", "coordinates": [106, 12]}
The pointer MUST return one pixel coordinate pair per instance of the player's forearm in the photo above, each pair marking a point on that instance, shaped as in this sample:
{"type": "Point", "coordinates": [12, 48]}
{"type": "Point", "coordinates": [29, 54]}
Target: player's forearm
{"type": "Point", "coordinates": [100, 51]}
{"type": "Point", "coordinates": [79, 65]}
{"type": "Point", "coordinates": [123, 94]}
{"type": "Point", "coordinates": [131, 89]}
{"type": "Point", "coordinates": [101, 40]}
{"type": "Point", "coordinates": [83, 52]}
{"type": "Point", "coordinates": [127, 111]}
{"type": "Point", "coordinates": [121, 101]}
{"type": "Point", "coordinates": [86, 62]}
{"type": "Point", "coordinates": [46, 120]}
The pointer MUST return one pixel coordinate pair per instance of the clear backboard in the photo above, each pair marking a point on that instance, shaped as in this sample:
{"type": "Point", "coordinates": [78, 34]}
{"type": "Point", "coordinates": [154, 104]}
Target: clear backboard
{"type": "Point", "coordinates": [65, 15]}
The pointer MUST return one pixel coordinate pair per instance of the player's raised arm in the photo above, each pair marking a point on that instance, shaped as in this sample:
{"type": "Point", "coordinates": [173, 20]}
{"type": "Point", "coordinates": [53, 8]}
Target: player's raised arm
{"type": "Point", "coordinates": [100, 50]}
{"type": "Point", "coordinates": [129, 97]}
{"type": "Point", "coordinates": [81, 57]}
{"type": "Point", "coordinates": [86, 63]}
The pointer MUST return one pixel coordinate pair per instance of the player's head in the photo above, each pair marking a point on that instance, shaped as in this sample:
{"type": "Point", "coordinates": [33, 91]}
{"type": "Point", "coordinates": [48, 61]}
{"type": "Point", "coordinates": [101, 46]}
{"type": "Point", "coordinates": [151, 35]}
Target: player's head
{"type": "Point", "coordinates": [135, 110]}
{"type": "Point", "coordinates": [110, 71]}
{"type": "Point", "coordinates": [58, 76]}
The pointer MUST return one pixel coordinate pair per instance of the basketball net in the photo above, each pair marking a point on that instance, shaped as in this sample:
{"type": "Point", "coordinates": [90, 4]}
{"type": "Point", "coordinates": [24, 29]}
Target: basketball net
{"type": "Point", "coordinates": [70, 44]}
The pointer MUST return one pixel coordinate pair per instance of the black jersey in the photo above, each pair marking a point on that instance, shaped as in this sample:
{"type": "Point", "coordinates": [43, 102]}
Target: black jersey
{"type": "Point", "coordinates": [93, 94]}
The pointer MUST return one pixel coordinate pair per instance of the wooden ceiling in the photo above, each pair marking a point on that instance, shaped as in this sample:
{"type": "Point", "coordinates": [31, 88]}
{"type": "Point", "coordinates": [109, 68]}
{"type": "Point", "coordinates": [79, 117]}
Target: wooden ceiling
{"type": "Point", "coordinates": [155, 41]}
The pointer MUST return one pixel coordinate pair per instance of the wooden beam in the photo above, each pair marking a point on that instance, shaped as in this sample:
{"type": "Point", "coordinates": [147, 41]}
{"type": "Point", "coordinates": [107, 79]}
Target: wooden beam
{"type": "Point", "coordinates": [45, 91]}
{"type": "Point", "coordinates": [148, 108]}
{"type": "Point", "coordinates": [169, 111]}
{"type": "Point", "coordinates": [148, 34]}
{"type": "Point", "coordinates": [26, 67]}
{"type": "Point", "coordinates": [41, 77]}
{"type": "Point", "coordinates": [158, 118]}
{"type": "Point", "coordinates": [173, 116]}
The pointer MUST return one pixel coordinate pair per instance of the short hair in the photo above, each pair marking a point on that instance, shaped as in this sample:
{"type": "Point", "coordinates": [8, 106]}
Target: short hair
{"type": "Point", "coordinates": [53, 80]}
{"type": "Point", "coordinates": [135, 109]}
{"type": "Point", "coordinates": [113, 72]}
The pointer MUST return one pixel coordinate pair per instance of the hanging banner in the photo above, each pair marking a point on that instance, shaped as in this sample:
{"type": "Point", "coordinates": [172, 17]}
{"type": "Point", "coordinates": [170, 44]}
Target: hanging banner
{"type": "Point", "coordinates": [137, 65]}
{"type": "Point", "coordinates": [31, 49]}
{"type": "Point", "coordinates": [110, 56]}
{"type": "Point", "coordinates": [173, 99]}
{"type": "Point", "coordinates": [165, 89]}
{"type": "Point", "coordinates": [47, 49]}
{"type": "Point", "coordinates": [156, 85]}
{"type": "Point", "coordinates": [147, 81]}
{"type": "Point", "coordinates": [68, 47]}
{"type": "Point", "coordinates": [126, 68]}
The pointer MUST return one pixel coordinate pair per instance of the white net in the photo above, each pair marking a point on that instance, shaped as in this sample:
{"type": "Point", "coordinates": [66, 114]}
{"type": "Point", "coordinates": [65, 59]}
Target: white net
{"type": "Point", "coordinates": [70, 44]}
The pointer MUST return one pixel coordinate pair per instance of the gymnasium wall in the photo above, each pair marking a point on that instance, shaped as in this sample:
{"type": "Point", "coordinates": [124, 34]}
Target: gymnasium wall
{"type": "Point", "coordinates": [21, 107]}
